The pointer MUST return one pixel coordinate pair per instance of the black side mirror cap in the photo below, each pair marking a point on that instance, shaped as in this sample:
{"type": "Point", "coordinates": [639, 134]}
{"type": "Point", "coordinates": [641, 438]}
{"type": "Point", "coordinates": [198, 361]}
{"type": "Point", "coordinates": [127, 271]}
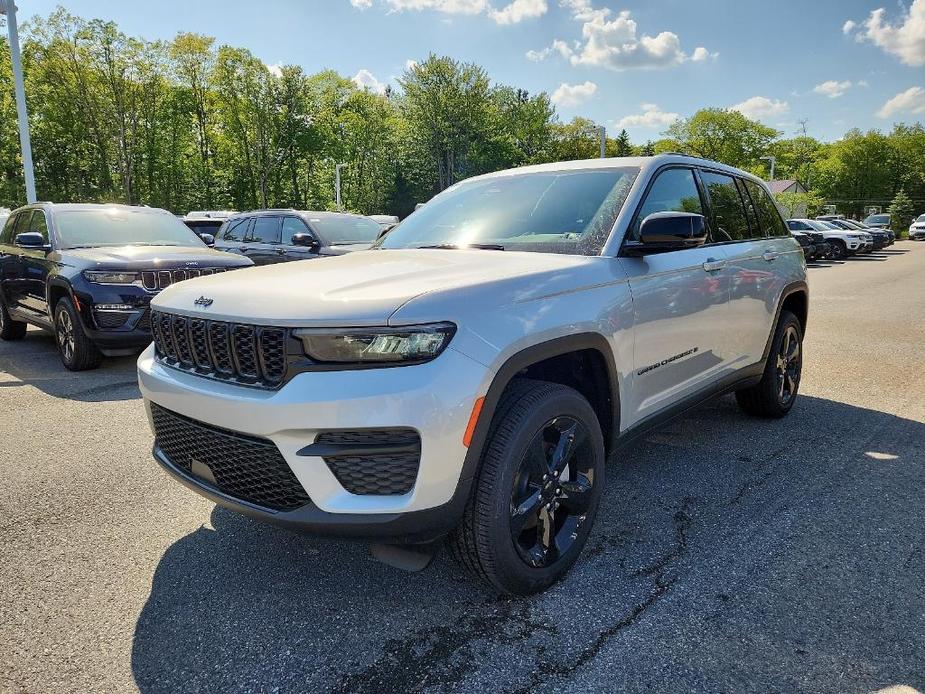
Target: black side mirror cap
{"type": "Point", "coordinates": [33, 240]}
{"type": "Point", "coordinates": [668, 231]}
{"type": "Point", "coordinates": [306, 240]}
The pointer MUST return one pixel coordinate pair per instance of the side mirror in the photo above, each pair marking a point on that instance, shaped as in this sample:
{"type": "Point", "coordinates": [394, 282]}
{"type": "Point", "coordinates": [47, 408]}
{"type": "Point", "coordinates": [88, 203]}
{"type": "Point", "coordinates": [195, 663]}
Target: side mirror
{"type": "Point", "coordinates": [669, 231]}
{"type": "Point", "coordinates": [207, 239]}
{"type": "Point", "coordinates": [33, 240]}
{"type": "Point", "coordinates": [306, 240]}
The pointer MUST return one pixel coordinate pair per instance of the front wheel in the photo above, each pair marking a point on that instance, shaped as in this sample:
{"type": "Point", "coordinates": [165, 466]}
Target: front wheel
{"type": "Point", "coordinates": [77, 352]}
{"type": "Point", "coordinates": [775, 394]}
{"type": "Point", "coordinates": [839, 250]}
{"type": "Point", "coordinates": [537, 490]}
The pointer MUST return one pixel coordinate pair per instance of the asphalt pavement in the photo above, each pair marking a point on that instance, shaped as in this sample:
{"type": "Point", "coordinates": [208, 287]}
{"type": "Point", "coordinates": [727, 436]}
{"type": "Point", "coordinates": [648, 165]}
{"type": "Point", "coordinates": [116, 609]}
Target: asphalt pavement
{"type": "Point", "coordinates": [730, 554]}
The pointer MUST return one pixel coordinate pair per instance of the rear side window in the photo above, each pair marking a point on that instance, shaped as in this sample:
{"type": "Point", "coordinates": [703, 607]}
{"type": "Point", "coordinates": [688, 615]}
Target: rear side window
{"type": "Point", "coordinates": [264, 230]}
{"type": "Point", "coordinates": [7, 235]}
{"type": "Point", "coordinates": [675, 190]}
{"type": "Point", "coordinates": [731, 221]}
{"type": "Point", "coordinates": [768, 217]}
{"type": "Point", "coordinates": [234, 230]}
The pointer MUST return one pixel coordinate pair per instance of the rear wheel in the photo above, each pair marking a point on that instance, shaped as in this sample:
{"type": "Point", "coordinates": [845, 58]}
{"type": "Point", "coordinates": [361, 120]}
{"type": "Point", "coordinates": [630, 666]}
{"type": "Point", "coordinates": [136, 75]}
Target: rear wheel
{"type": "Point", "coordinates": [775, 394]}
{"type": "Point", "coordinates": [10, 329]}
{"type": "Point", "coordinates": [536, 494]}
{"type": "Point", "coordinates": [77, 352]}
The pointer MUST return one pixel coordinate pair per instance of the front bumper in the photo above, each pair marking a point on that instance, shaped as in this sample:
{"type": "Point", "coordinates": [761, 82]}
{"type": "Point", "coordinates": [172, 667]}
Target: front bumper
{"type": "Point", "coordinates": [435, 399]}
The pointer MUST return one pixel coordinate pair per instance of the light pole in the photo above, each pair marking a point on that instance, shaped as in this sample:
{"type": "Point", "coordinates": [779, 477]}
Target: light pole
{"type": "Point", "coordinates": [603, 133]}
{"type": "Point", "coordinates": [773, 161]}
{"type": "Point", "coordinates": [337, 200]}
{"type": "Point", "coordinates": [8, 8]}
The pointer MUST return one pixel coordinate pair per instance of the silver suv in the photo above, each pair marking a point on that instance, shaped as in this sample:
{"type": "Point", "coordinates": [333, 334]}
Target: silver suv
{"type": "Point", "coordinates": [464, 381]}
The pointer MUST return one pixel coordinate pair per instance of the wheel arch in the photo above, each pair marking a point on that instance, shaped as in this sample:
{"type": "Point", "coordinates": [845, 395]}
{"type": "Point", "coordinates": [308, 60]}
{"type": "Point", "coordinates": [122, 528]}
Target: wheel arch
{"type": "Point", "coordinates": [794, 298]}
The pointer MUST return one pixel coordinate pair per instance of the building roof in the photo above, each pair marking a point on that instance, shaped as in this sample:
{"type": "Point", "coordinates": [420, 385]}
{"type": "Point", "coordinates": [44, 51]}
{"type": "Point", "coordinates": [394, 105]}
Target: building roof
{"type": "Point", "coordinates": [781, 186]}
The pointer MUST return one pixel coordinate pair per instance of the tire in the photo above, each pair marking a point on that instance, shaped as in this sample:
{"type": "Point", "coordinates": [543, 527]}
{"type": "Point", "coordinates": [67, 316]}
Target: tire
{"type": "Point", "coordinates": [774, 395]}
{"type": "Point", "coordinates": [839, 250]}
{"type": "Point", "coordinates": [529, 438]}
{"type": "Point", "coordinates": [77, 352]}
{"type": "Point", "coordinates": [10, 329]}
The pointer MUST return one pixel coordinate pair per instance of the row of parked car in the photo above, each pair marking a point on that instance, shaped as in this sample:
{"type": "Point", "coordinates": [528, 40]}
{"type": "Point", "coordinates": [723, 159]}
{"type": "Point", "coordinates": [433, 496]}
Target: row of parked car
{"type": "Point", "coordinates": [833, 237]}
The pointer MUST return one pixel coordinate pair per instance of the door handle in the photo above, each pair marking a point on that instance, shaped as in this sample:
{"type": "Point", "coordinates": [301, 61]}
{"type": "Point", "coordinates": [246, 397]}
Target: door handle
{"type": "Point", "coordinates": [770, 255]}
{"type": "Point", "coordinates": [713, 265]}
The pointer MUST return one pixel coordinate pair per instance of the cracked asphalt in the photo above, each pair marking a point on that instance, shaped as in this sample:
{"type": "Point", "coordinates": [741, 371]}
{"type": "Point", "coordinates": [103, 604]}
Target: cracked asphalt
{"type": "Point", "coordinates": [730, 554]}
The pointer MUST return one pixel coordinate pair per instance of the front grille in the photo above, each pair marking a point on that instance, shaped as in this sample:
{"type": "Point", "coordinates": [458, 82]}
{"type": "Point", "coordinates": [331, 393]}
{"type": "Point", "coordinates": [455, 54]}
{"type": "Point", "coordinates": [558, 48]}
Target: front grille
{"type": "Point", "coordinates": [155, 280]}
{"type": "Point", "coordinates": [244, 467]}
{"type": "Point", "coordinates": [109, 320]}
{"type": "Point", "coordinates": [246, 354]}
{"type": "Point", "coordinates": [378, 472]}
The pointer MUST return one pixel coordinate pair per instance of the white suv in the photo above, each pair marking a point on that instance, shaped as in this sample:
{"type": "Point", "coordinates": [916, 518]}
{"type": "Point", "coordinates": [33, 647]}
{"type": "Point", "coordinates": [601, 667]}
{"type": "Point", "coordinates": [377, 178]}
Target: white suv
{"type": "Point", "coordinates": [843, 242]}
{"type": "Point", "coordinates": [466, 379]}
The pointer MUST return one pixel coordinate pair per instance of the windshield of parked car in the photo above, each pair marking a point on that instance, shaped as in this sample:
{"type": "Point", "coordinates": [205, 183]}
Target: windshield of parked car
{"type": "Point", "coordinates": [828, 225]}
{"type": "Point", "coordinates": [569, 212]}
{"type": "Point", "coordinates": [920, 218]}
{"type": "Point", "coordinates": [118, 226]}
{"type": "Point", "coordinates": [877, 219]}
{"type": "Point", "coordinates": [343, 229]}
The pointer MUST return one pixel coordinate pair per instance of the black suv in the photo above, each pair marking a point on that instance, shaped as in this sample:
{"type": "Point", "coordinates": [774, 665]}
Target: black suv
{"type": "Point", "coordinates": [88, 272]}
{"type": "Point", "coordinates": [275, 236]}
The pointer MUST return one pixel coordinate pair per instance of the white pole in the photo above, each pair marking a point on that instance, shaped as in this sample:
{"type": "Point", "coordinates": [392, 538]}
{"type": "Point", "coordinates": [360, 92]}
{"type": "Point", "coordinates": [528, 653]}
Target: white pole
{"type": "Point", "coordinates": [8, 8]}
{"type": "Point", "coordinates": [337, 200]}
{"type": "Point", "coordinates": [603, 132]}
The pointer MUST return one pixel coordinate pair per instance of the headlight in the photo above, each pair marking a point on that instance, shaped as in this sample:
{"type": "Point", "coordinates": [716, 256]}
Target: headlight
{"type": "Point", "coordinates": [854, 236]}
{"type": "Point", "coordinates": [415, 343]}
{"type": "Point", "coordinates": [103, 277]}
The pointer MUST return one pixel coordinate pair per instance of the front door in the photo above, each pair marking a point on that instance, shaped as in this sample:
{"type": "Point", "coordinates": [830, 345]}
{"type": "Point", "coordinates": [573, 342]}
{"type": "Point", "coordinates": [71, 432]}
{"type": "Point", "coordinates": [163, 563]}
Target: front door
{"type": "Point", "coordinates": [679, 302]}
{"type": "Point", "coordinates": [36, 267]}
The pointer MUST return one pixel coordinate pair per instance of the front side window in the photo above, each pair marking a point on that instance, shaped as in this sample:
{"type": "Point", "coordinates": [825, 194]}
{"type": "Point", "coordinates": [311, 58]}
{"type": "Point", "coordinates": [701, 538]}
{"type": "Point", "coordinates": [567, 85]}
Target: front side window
{"type": "Point", "coordinates": [675, 190]}
{"type": "Point", "coordinates": [264, 230]}
{"type": "Point", "coordinates": [39, 225]}
{"type": "Point", "coordinates": [769, 218]}
{"type": "Point", "coordinates": [567, 212]}
{"type": "Point", "coordinates": [22, 222]}
{"type": "Point", "coordinates": [293, 226]}
{"type": "Point", "coordinates": [119, 226]}
{"type": "Point", "coordinates": [728, 208]}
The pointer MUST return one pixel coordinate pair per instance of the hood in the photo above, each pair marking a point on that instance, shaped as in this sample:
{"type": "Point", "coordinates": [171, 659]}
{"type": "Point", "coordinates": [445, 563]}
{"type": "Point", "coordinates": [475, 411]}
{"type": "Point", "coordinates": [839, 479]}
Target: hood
{"type": "Point", "coordinates": [357, 289]}
{"type": "Point", "coordinates": [152, 257]}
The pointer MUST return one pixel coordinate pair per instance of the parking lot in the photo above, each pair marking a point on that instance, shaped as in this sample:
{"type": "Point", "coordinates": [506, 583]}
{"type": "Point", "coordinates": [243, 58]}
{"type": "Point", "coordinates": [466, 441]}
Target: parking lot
{"type": "Point", "coordinates": [730, 554]}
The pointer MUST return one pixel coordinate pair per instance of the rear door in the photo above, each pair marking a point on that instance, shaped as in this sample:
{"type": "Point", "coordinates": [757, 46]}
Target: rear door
{"type": "Point", "coordinates": [14, 268]}
{"type": "Point", "coordinates": [262, 241]}
{"type": "Point", "coordinates": [37, 265]}
{"type": "Point", "coordinates": [679, 302]}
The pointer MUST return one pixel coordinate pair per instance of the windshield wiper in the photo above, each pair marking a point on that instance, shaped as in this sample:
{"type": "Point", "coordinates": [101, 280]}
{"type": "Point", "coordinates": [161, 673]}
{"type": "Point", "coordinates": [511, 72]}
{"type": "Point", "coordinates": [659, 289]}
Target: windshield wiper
{"type": "Point", "coordinates": [455, 247]}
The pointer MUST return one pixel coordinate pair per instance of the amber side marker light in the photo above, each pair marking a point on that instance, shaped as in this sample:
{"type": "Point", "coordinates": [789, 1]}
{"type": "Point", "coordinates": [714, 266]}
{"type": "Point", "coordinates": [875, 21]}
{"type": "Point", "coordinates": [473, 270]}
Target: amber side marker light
{"type": "Point", "coordinates": [473, 420]}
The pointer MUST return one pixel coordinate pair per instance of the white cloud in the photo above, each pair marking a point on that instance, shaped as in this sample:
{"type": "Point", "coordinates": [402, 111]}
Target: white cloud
{"type": "Point", "coordinates": [276, 69]}
{"type": "Point", "coordinates": [518, 10]}
{"type": "Point", "coordinates": [910, 101]}
{"type": "Point", "coordinates": [700, 53]}
{"type": "Point", "coordinates": [446, 6]}
{"type": "Point", "coordinates": [410, 64]}
{"type": "Point", "coordinates": [862, 83]}
{"type": "Point", "coordinates": [758, 107]}
{"type": "Point", "coordinates": [651, 117]}
{"type": "Point", "coordinates": [362, 4]}
{"type": "Point", "coordinates": [573, 94]}
{"type": "Point", "coordinates": [364, 79]}
{"type": "Point", "coordinates": [615, 43]}
{"type": "Point", "coordinates": [832, 88]}
{"type": "Point", "coordinates": [904, 38]}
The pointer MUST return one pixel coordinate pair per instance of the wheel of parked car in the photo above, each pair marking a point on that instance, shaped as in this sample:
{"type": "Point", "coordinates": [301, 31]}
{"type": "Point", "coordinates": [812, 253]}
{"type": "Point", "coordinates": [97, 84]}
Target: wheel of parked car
{"type": "Point", "coordinates": [775, 394]}
{"type": "Point", "coordinates": [839, 250]}
{"type": "Point", "coordinates": [537, 489]}
{"type": "Point", "coordinates": [77, 351]}
{"type": "Point", "coordinates": [10, 329]}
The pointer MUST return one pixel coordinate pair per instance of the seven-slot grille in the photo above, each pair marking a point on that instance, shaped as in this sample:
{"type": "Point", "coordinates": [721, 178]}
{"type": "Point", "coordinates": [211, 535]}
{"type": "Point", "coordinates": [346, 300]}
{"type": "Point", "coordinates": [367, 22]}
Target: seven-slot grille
{"type": "Point", "coordinates": [248, 354]}
{"type": "Point", "coordinates": [155, 280]}
{"type": "Point", "coordinates": [241, 466]}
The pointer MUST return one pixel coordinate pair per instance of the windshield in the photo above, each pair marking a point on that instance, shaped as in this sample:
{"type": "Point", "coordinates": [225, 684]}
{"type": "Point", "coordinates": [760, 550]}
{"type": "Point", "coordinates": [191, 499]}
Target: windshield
{"type": "Point", "coordinates": [920, 218]}
{"type": "Point", "coordinates": [828, 225]}
{"type": "Point", "coordinates": [815, 224]}
{"type": "Point", "coordinates": [569, 212]}
{"type": "Point", "coordinates": [878, 219]}
{"type": "Point", "coordinates": [117, 226]}
{"type": "Point", "coordinates": [344, 229]}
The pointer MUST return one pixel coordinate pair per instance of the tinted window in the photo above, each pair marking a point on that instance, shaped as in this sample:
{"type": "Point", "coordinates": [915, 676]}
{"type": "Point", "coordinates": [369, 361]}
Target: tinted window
{"type": "Point", "coordinates": [93, 227]}
{"type": "Point", "coordinates": [293, 226]}
{"type": "Point", "coordinates": [264, 230]}
{"type": "Point", "coordinates": [22, 222]}
{"type": "Point", "coordinates": [728, 208]}
{"type": "Point", "coordinates": [675, 190]}
{"type": "Point", "coordinates": [768, 217]}
{"type": "Point", "coordinates": [343, 229]}
{"type": "Point", "coordinates": [39, 224]}
{"type": "Point", "coordinates": [207, 226]}
{"type": "Point", "coordinates": [878, 219]}
{"type": "Point", "coordinates": [570, 212]}
{"type": "Point", "coordinates": [234, 231]}
{"type": "Point", "coordinates": [798, 226]}
{"type": "Point", "coordinates": [7, 235]}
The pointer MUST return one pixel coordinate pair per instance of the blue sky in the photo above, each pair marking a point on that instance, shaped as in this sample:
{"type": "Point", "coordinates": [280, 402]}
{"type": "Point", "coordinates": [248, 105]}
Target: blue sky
{"type": "Point", "coordinates": [839, 64]}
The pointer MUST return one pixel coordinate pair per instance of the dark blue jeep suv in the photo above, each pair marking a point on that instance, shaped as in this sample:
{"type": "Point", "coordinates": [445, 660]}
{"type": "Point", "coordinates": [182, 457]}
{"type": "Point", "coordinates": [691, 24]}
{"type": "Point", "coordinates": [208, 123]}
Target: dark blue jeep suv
{"type": "Point", "coordinates": [88, 272]}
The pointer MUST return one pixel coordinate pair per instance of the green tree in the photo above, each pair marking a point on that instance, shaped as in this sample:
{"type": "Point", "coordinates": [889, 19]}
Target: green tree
{"type": "Point", "coordinates": [723, 135]}
{"type": "Point", "coordinates": [808, 204]}
{"type": "Point", "coordinates": [902, 212]}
